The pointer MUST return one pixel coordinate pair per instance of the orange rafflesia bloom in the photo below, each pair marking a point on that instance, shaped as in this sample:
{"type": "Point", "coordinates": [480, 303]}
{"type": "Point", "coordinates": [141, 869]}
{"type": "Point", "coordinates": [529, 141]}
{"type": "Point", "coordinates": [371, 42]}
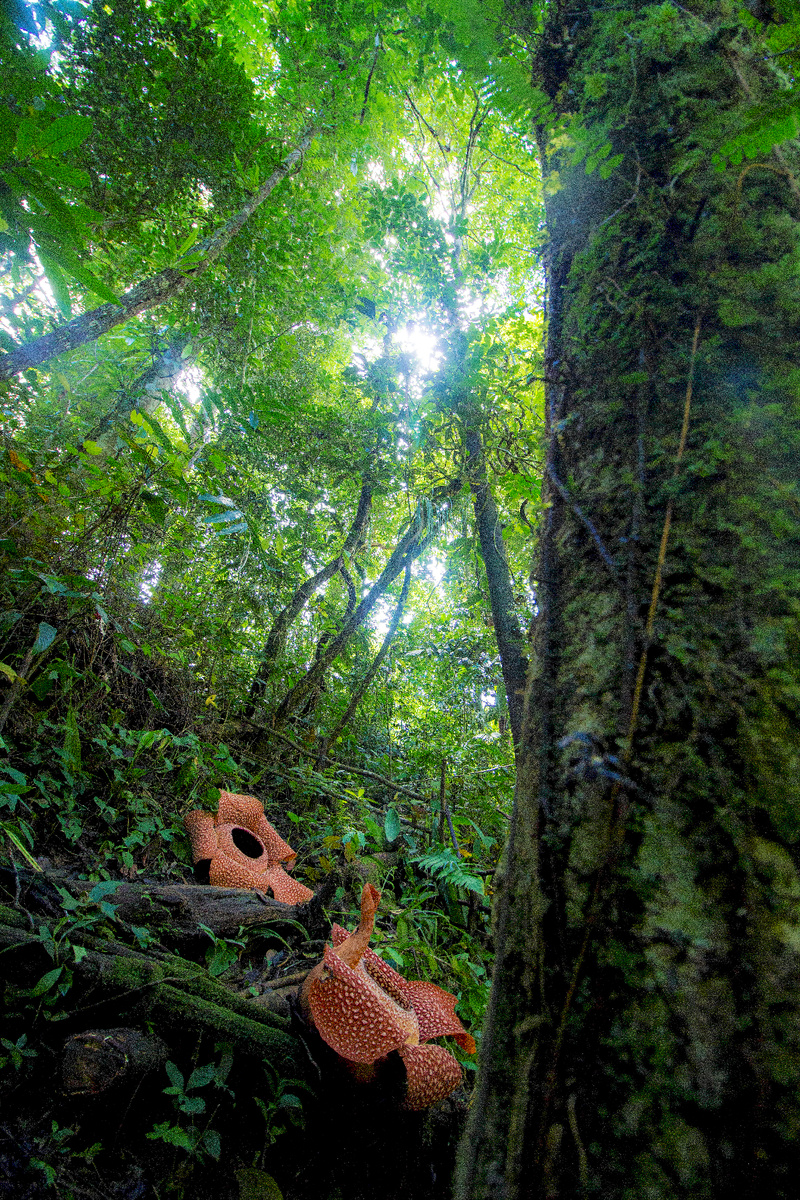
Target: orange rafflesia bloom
{"type": "Point", "coordinates": [364, 1010]}
{"type": "Point", "coordinates": [243, 848]}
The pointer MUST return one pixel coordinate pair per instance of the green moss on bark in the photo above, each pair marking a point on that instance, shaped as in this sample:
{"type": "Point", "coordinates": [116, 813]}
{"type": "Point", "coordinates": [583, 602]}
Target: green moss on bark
{"type": "Point", "coordinates": [643, 1036]}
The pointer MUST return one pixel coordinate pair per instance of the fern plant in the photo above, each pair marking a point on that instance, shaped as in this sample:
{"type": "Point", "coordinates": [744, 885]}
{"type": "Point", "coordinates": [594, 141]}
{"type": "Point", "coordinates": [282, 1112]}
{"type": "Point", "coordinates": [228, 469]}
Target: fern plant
{"type": "Point", "coordinates": [447, 866]}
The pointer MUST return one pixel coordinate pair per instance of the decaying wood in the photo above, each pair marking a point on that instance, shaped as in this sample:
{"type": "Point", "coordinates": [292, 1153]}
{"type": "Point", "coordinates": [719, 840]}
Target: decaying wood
{"type": "Point", "coordinates": [112, 979]}
{"type": "Point", "coordinates": [99, 1059]}
{"type": "Point", "coordinates": [286, 981]}
{"type": "Point", "coordinates": [181, 908]}
{"type": "Point", "coordinates": [175, 911]}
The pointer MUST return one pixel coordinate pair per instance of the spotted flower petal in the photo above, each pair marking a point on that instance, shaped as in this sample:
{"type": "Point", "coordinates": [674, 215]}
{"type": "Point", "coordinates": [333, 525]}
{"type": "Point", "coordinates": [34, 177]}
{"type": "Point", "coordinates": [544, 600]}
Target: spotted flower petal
{"type": "Point", "coordinates": [348, 1016]}
{"type": "Point", "coordinates": [226, 872]}
{"type": "Point", "coordinates": [202, 834]}
{"type": "Point", "coordinates": [431, 1073]}
{"type": "Point", "coordinates": [365, 993]}
{"type": "Point", "coordinates": [435, 1008]}
{"type": "Point", "coordinates": [235, 809]}
{"type": "Point", "coordinates": [284, 887]}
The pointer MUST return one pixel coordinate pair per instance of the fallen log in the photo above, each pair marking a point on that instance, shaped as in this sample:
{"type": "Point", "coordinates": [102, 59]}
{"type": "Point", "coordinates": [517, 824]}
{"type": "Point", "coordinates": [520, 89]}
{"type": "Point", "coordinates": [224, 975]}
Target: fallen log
{"type": "Point", "coordinates": [98, 1060]}
{"type": "Point", "coordinates": [178, 909]}
{"type": "Point", "coordinates": [172, 912]}
{"type": "Point", "coordinates": [106, 976]}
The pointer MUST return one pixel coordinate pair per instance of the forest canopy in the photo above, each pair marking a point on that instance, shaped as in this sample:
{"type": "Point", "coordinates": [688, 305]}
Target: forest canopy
{"type": "Point", "coordinates": [344, 348]}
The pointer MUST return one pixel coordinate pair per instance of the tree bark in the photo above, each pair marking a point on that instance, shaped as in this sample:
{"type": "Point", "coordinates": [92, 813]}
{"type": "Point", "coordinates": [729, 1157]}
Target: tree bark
{"type": "Point", "coordinates": [643, 1033]}
{"type": "Point", "coordinates": [167, 284]}
{"type": "Point", "coordinates": [507, 631]}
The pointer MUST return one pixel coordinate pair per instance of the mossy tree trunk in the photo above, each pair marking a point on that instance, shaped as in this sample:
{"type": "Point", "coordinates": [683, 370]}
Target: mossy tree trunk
{"type": "Point", "coordinates": [644, 1027]}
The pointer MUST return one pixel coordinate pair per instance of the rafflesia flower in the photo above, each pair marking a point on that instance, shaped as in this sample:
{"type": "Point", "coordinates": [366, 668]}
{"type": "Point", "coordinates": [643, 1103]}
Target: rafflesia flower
{"type": "Point", "coordinates": [243, 848]}
{"type": "Point", "coordinates": [364, 1010]}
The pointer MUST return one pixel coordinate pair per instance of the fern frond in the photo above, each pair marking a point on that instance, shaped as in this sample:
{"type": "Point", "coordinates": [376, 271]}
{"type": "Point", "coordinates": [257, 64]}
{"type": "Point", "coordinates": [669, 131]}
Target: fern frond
{"type": "Point", "coordinates": [448, 867]}
{"type": "Point", "coordinates": [770, 126]}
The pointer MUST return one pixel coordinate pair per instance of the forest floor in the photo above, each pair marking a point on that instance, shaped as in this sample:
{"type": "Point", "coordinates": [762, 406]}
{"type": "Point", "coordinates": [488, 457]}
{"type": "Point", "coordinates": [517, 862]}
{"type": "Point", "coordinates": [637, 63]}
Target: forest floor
{"type": "Point", "coordinates": [152, 1047]}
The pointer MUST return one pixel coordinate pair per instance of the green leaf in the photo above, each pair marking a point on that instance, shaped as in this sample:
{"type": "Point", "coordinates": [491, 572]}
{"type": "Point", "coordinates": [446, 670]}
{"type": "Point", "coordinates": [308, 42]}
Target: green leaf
{"type": "Point", "coordinates": [211, 1143]}
{"type": "Point", "coordinates": [15, 841]}
{"type": "Point", "coordinates": [450, 867]}
{"type": "Point", "coordinates": [56, 137]}
{"type": "Point", "coordinates": [60, 219]}
{"type": "Point", "coordinates": [16, 775]}
{"type": "Point", "coordinates": [188, 243]}
{"type": "Point", "coordinates": [173, 1135]}
{"type": "Point", "coordinates": [68, 901]}
{"type": "Point", "coordinates": [373, 829]}
{"type": "Point", "coordinates": [45, 637]}
{"type": "Point", "coordinates": [92, 447]}
{"type": "Point", "coordinates": [106, 887]}
{"type": "Point", "coordinates": [47, 982]}
{"type": "Point", "coordinates": [391, 825]}
{"type": "Point", "coordinates": [73, 266]}
{"type": "Point", "coordinates": [156, 507]}
{"type": "Point", "coordinates": [201, 1076]}
{"type": "Point", "coordinates": [610, 165]}
{"type": "Point", "coordinates": [175, 1077]}
{"type": "Point", "coordinates": [57, 282]}
{"type": "Point", "coordinates": [65, 174]}
{"type": "Point", "coordinates": [257, 1185]}
{"type": "Point", "coordinates": [27, 136]}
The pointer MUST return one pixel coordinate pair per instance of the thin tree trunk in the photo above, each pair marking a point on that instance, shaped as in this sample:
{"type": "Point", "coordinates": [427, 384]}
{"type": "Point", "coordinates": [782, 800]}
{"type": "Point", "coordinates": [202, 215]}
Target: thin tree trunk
{"type": "Point", "coordinates": [507, 631]}
{"type": "Point", "coordinates": [408, 549]}
{"type": "Point", "coordinates": [276, 639]}
{"type": "Point", "coordinates": [167, 284]}
{"type": "Point", "coordinates": [360, 691]}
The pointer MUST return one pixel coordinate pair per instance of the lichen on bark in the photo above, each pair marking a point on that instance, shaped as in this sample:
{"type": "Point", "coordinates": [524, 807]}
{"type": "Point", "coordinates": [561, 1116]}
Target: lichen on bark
{"type": "Point", "coordinates": [644, 1028]}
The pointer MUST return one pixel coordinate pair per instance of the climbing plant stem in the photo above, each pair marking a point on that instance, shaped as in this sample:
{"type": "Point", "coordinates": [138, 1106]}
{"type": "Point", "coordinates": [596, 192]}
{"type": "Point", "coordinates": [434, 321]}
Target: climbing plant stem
{"type": "Point", "coordinates": [662, 554]}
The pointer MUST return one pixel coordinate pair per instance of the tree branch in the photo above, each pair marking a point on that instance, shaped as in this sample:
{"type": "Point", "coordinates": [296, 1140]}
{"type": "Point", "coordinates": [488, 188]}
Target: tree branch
{"type": "Point", "coordinates": [153, 291]}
